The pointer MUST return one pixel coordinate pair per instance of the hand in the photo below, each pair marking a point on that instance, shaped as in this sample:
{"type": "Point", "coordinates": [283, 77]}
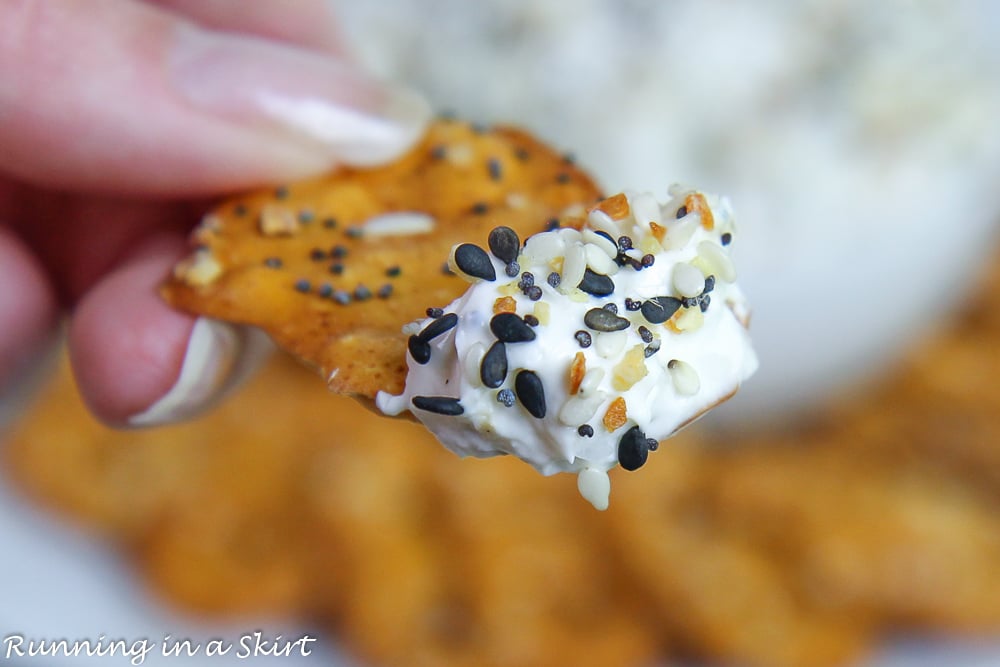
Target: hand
{"type": "Point", "coordinates": [117, 119]}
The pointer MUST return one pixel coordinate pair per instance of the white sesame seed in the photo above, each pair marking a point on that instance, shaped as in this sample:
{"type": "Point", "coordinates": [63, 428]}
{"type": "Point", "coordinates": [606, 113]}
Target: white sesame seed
{"type": "Point", "coordinates": [398, 223]}
{"type": "Point", "coordinates": [679, 233]}
{"type": "Point", "coordinates": [460, 154]}
{"type": "Point", "coordinates": [599, 261]}
{"type": "Point", "coordinates": [569, 235]}
{"type": "Point", "coordinates": [610, 343]}
{"type": "Point", "coordinates": [574, 265]}
{"type": "Point", "coordinates": [595, 486]}
{"type": "Point", "coordinates": [598, 219]}
{"type": "Point", "coordinates": [543, 248]}
{"type": "Point", "coordinates": [685, 377]}
{"type": "Point", "coordinates": [516, 200]}
{"type": "Point", "coordinates": [645, 208]}
{"type": "Point", "coordinates": [579, 410]}
{"type": "Point", "coordinates": [602, 242]}
{"type": "Point", "coordinates": [688, 281]}
{"type": "Point", "coordinates": [412, 328]}
{"type": "Point", "coordinates": [717, 261]}
{"type": "Point", "coordinates": [470, 365]}
{"type": "Point", "coordinates": [591, 380]}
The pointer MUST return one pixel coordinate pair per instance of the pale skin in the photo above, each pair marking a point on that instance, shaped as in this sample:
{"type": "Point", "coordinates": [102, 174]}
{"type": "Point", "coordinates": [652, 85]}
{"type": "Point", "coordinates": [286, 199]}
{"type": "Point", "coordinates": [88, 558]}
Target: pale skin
{"type": "Point", "coordinates": [105, 166]}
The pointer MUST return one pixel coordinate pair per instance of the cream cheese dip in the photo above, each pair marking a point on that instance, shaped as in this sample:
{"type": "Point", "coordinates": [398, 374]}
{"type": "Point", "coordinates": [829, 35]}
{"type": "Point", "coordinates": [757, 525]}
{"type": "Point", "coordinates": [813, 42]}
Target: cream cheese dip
{"type": "Point", "coordinates": [581, 349]}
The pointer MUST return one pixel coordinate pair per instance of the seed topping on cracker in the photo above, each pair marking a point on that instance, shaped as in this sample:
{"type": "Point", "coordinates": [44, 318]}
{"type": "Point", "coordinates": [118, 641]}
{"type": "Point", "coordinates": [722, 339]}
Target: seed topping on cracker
{"type": "Point", "coordinates": [616, 291]}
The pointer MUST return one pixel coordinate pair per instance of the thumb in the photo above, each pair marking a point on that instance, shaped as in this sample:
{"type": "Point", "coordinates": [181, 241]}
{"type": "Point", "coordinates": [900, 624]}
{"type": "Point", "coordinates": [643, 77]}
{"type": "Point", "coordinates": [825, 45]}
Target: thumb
{"type": "Point", "coordinates": [117, 96]}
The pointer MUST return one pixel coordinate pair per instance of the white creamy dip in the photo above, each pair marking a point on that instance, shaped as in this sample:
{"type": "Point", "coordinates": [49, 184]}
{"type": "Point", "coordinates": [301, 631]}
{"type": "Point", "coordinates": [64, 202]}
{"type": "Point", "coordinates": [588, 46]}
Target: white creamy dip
{"type": "Point", "coordinates": [591, 388]}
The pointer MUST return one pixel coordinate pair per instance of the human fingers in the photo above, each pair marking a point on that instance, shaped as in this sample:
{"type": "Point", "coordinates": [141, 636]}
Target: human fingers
{"type": "Point", "coordinates": [137, 361]}
{"type": "Point", "coordinates": [27, 310]}
{"type": "Point", "coordinates": [118, 96]}
{"type": "Point", "coordinates": [307, 23]}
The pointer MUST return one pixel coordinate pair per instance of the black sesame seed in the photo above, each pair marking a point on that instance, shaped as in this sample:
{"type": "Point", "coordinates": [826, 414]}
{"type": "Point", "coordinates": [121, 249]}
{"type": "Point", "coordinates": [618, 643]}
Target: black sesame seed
{"type": "Point", "coordinates": [317, 254]}
{"type": "Point", "coordinates": [495, 169]}
{"type": "Point", "coordinates": [563, 177]}
{"type": "Point", "coordinates": [681, 212]}
{"type": "Point", "coordinates": [240, 210]}
{"type": "Point", "coordinates": [473, 260]}
{"type": "Point", "coordinates": [342, 297]}
{"type": "Point", "coordinates": [583, 338]}
{"type": "Point", "coordinates": [647, 261]}
{"type": "Point", "coordinates": [439, 326]}
{"type": "Point", "coordinates": [554, 279]}
{"type": "Point", "coordinates": [531, 320]}
{"type": "Point", "coordinates": [338, 251]}
{"type": "Point", "coordinates": [645, 334]}
{"type": "Point", "coordinates": [302, 285]}
{"type": "Point", "coordinates": [273, 262]}
{"type": "Point", "coordinates": [493, 369]}
{"type": "Point", "coordinates": [624, 243]}
{"type": "Point", "coordinates": [393, 271]}
{"type": "Point", "coordinates": [306, 216]}
{"type": "Point", "coordinates": [632, 304]}
{"type": "Point", "coordinates": [569, 158]}
{"type": "Point", "coordinates": [504, 244]}
{"type": "Point", "coordinates": [652, 444]}
{"type": "Point", "coordinates": [512, 269]}
{"type": "Point", "coordinates": [633, 449]}
{"type": "Point", "coordinates": [362, 293]}
{"type": "Point", "coordinates": [521, 153]}
{"type": "Point", "coordinates": [709, 285]}
{"type": "Point", "coordinates": [439, 152]}
{"type": "Point", "coordinates": [480, 208]}
{"type": "Point", "coordinates": [596, 284]}
{"type": "Point", "coordinates": [330, 223]}
{"type": "Point", "coordinates": [586, 431]}
{"type": "Point", "coordinates": [442, 405]}
{"type": "Point", "coordinates": [419, 348]}
{"type": "Point", "coordinates": [325, 290]}
{"type": "Point", "coordinates": [534, 292]}
{"type": "Point", "coordinates": [600, 319]}
{"type": "Point", "coordinates": [531, 393]}
{"type": "Point", "coordinates": [354, 232]}
{"type": "Point", "coordinates": [690, 301]}
{"type": "Point", "coordinates": [552, 224]}
{"type": "Point", "coordinates": [610, 307]}
{"type": "Point", "coordinates": [510, 328]}
{"type": "Point", "coordinates": [435, 312]}
{"type": "Point", "coordinates": [704, 301]}
{"type": "Point", "coordinates": [660, 309]}
{"type": "Point", "coordinates": [336, 268]}
{"type": "Point", "coordinates": [385, 291]}
{"type": "Point", "coordinates": [281, 192]}
{"type": "Point", "coordinates": [726, 238]}
{"type": "Point", "coordinates": [506, 397]}
{"type": "Point", "coordinates": [650, 350]}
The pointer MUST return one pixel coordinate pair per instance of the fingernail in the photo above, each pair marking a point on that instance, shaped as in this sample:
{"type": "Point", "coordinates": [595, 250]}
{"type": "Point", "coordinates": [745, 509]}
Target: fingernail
{"type": "Point", "coordinates": [303, 96]}
{"type": "Point", "coordinates": [218, 358]}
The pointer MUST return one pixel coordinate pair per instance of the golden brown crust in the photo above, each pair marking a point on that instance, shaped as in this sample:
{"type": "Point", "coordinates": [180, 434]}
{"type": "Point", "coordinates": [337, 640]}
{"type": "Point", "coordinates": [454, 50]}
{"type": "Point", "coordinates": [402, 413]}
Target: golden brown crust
{"type": "Point", "coordinates": [359, 347]}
